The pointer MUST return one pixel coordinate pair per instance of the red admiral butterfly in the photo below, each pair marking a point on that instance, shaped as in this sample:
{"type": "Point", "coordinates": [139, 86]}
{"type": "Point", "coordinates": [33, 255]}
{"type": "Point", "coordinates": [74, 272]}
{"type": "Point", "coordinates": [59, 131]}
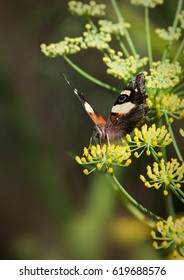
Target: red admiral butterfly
{"type": "Point", "coordinates": [129, 110]}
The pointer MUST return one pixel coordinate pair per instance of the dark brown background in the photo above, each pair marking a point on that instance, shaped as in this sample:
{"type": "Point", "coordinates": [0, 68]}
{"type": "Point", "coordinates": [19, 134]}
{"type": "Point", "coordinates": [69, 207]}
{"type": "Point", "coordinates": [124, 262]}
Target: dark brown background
{"type": "Point", "coordinates": [48, 208]}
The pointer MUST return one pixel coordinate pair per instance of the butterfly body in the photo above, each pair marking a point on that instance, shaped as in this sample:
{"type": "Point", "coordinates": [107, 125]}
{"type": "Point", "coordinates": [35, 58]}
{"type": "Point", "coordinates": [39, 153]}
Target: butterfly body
{"type": "Point", "coordinates": [129, 110]}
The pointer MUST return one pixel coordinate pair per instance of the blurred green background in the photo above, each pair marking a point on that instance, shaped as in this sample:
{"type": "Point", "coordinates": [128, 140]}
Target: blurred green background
{"type": "Point", "coordinates": [48, 208]}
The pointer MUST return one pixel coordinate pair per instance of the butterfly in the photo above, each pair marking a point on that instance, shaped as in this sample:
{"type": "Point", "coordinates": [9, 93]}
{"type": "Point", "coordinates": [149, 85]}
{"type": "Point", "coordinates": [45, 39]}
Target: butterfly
{"type": "Point", "coordinates": [129, 110]}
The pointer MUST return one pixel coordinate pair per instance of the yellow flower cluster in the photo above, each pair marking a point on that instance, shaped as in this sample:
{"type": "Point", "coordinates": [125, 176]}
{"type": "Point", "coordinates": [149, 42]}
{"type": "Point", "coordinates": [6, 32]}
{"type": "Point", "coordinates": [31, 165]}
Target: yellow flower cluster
{"type": "Point", "coordinates": [123, 68]}
{"type": "Point", "coordinates": [82, 9]}
{"type": "Point", "coordinates": [171, 34]}
{"type": "Point", "coordinates": [168, 103]}
{"type": "Point", "coordinates": [95, 39]}
{"type": "Point", "coordinates": [91, 39]}
{"type": "Point", "coordinates": [65, 47]}
{"type": "Point", "coordinates": [167, 174]}
{"type": "Point", "coordinates": [148, 138]}
{"type": "Point", "coordinates": [147, 3]}
{"type": "Point", "coordinates": [104, 157]}
{"type": "Point", "coordinates": [171, 235]}
{"type": "Point", "coordinates": [114, 28]}
{"type": "Point", "coordinates": [164, 75]}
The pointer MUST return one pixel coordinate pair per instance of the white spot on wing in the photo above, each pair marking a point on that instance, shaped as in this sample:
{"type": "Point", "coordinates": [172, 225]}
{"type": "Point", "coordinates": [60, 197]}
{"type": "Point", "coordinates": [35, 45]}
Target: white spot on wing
{"type": "Point", "coordinates": [126, 91]}
{"type": "Point", "coordinates": [88, 107]}
{"type": "Point", "coordinates": [123, 108]}
{"type": "Point", "coordinates": [75, 91]}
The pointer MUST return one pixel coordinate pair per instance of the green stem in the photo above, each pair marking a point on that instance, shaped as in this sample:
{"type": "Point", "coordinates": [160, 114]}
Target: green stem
{"type": "Point", "coordinates": [166, 51]}
{"type": "Point", "coordinates": [180, 49]}
{"type": "Point", "coordinates": [177, 194]}
{"type": "Point", "coordinates": [169, 206]}
{"type": "Point", "coordinates": [178, 10]}
{"type": "Point", "coordinates": [122, 46]}
{"type": "Point", "coordinates": [116, 9]}
{"type": "Point", "coordinates": [89, 77]}
{"type": "Point", "coordinates": [120, 18]}
{"type": "Point", "coordinates": [181, 192]}
{"type": "Point", "coordinates": [134, 207]}
{"type": "Point", "coordinates": [179, 87]}
{"type": "Point", "coordinates": [154, 154]}
{"type": "Point", "coordinates": [129, 40]}
{"type": "Point", "coordinates": [92, 23]}
{"type": "Point", "coordinates": [173, 138]}
{"type": "Point", "coordinates": [148, 37]}
{"type": "Point", "coordinates": [175, 22]}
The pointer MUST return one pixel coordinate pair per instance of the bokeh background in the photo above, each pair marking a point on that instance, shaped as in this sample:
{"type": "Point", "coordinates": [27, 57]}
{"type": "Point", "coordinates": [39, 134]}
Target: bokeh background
{"type": "Point", "coordinates": [48, 208]}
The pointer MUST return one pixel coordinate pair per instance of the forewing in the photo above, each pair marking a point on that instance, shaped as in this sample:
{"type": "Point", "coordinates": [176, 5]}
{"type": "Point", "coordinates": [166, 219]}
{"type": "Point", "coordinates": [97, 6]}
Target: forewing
{"type": "Point", "coordinates": [94, 115]}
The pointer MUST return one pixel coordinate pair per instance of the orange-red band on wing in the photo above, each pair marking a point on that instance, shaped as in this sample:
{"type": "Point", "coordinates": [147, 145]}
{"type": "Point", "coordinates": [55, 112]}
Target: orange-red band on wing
{"type": "Point", "coordinates": [97, 119]}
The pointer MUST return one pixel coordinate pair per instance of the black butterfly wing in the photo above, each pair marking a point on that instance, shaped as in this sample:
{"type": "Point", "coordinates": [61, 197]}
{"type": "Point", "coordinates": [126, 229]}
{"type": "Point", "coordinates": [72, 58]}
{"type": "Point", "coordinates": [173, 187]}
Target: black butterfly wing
{"type": "Point", "coordinates": [129, 110]}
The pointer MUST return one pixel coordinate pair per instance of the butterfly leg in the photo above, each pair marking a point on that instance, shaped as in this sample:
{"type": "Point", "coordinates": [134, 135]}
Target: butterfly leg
{"type": "Point", "coordinates": [91, 141]}
{"type": "Point", "coordinates": [108, 142]}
